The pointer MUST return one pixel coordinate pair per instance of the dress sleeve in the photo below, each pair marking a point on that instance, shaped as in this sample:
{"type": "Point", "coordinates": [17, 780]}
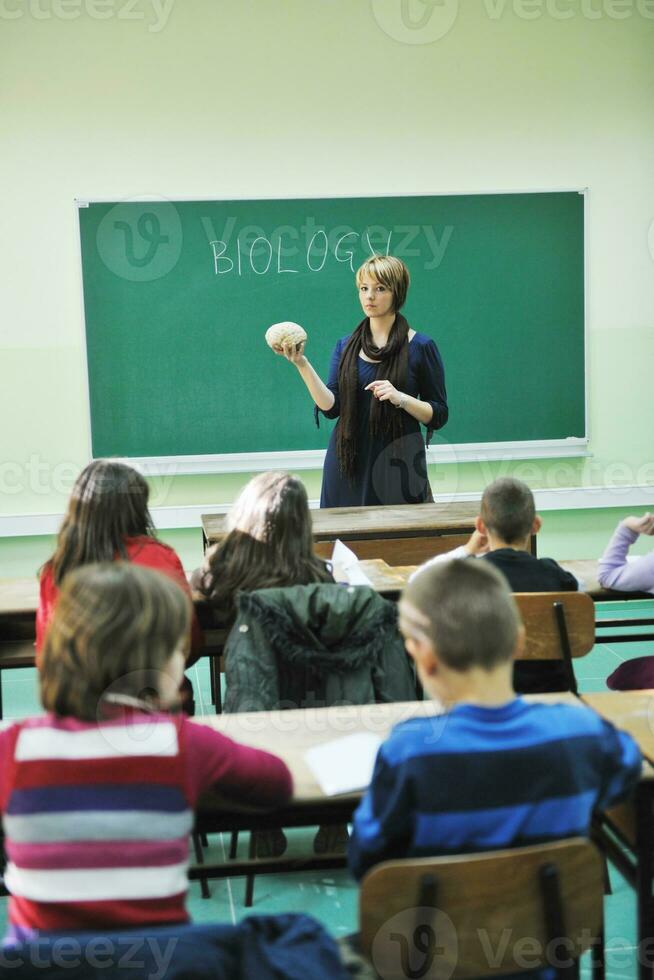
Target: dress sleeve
{"type": "Point", "coordinates": [243, 775]}
{"type": "Point", "coordinates": [615, 572]}
{"type": "Point", "coordinates": [431, 381]}
{"type": "Point", "coordinates": [332, 384]}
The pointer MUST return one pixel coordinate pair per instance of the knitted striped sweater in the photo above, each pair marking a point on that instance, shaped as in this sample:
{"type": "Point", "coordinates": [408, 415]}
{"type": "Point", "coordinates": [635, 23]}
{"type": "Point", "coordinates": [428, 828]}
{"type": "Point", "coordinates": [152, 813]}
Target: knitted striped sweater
{"type": "Point", "coordinates": [97, 816]}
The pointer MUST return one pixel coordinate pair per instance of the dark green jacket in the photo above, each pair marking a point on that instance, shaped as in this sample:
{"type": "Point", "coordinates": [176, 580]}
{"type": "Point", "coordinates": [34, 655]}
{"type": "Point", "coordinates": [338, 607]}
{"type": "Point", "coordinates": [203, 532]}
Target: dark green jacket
{"type": "Point", "coordinates": [314, 646]}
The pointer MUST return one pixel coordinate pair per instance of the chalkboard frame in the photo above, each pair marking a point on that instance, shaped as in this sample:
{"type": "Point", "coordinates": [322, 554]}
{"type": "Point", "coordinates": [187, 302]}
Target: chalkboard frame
{"type": "Point", "coordinates": [313, 459]}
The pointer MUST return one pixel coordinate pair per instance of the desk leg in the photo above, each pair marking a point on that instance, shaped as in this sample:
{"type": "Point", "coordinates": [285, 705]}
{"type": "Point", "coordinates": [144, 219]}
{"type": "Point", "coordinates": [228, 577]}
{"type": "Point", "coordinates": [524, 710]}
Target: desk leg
{"type": "Point", "coordinates": [644, 871]}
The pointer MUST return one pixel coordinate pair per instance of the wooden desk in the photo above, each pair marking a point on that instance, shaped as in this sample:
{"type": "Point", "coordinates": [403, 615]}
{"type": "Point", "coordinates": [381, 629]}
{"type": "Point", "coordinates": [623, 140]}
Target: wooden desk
{"type": "Point", "coordinates": [19, 599]}
{"type": "Point", "coordinates": [402, 534]}
{"type": "Point", "coordinates": [627, 832]}
{"type": "Point", "coordinates": [18, 596]}
{"type": "Point", "coordinates": [289, 734]}
{"type": "Point", "coordinates": [632, 711]}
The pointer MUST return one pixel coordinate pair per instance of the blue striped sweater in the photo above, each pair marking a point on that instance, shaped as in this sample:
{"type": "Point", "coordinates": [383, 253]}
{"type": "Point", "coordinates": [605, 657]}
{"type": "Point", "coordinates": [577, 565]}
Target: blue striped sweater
{"type": "Point", "coordinates": [477, 779]}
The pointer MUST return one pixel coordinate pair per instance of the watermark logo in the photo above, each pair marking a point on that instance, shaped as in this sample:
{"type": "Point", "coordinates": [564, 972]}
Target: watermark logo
{"type": "Point", "coordinates": [416, 944]}
{"type": "Point", "coordinates": [399, 473]}
{"type": "Point", "coordinates": [153, 12]}
{"type": "Point", "coordinates": [140, 240]}
{"type": "Point", "coordinates": [416, 21]}
{"type": "Point", "coordinates": [650, 240]}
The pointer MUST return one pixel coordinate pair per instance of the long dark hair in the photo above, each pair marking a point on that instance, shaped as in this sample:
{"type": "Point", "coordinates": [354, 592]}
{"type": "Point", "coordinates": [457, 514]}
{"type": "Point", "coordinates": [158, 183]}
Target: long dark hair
{"type": "Point", "coordinates": [109, 503]}
{"type": "Point", "coordinates": [385, 419]}
{"type": "Point", "coordinates": [269, 543]}
{"type": "Point", "coordinates": [393, 360]}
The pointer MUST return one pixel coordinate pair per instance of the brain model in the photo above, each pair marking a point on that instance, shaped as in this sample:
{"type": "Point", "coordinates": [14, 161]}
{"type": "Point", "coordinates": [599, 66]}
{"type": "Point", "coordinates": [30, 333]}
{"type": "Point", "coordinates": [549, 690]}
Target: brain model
{"type": "Point", "coordinates": [284, 333]}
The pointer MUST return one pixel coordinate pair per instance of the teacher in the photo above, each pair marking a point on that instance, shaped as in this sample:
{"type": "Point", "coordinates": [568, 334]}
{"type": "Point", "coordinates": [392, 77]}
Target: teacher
{"type": "Point", "coordinates": [385, 380]}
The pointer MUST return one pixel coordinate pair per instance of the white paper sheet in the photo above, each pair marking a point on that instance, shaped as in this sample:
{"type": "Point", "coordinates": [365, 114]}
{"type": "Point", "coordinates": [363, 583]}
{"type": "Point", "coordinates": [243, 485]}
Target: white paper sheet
{"type": "Point", "coordinates": [346, 566]}
{"type": "Point", "coordinates": [346, 764]}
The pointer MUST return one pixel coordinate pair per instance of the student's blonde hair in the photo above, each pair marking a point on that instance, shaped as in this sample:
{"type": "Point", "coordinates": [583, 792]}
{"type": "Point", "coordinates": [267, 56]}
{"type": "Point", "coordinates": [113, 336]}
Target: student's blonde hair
{"type": "Point", "coordinates": [269, 542]}
{"type": "Point", "coordinates": [466, 611]}
{"type": "Point", "coordinates": [390, 272]}
{"type": "Point", "coordinates": [114, 624]}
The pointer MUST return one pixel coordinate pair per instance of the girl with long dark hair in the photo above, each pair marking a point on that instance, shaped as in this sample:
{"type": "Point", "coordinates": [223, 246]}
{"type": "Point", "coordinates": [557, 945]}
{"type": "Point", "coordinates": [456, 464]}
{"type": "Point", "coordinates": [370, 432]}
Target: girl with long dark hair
{"type": "Point", "coordinates": [107, 519]}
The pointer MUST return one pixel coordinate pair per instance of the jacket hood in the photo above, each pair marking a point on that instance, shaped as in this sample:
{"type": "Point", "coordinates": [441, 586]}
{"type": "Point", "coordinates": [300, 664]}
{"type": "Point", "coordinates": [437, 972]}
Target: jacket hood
{"type": "Point", "coordinates": [321, 625]}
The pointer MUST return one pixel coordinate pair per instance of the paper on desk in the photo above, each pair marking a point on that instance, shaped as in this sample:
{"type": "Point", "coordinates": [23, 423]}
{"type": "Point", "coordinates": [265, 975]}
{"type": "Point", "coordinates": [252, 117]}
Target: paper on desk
{"type": "Point", "coordinates": [346, 566]}
{"type": "Point", "coordinates": [346, 764]}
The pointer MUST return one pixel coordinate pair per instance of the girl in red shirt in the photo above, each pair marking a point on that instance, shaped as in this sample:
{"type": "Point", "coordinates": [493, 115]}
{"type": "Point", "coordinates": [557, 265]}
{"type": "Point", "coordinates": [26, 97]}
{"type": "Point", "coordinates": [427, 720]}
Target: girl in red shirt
{"type": "Point", "coordinates": [107, 519]}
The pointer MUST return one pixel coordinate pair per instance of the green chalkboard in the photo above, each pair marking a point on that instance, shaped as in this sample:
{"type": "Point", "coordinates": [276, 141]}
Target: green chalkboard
{"type": "Point", "coordinates": [178, 296]}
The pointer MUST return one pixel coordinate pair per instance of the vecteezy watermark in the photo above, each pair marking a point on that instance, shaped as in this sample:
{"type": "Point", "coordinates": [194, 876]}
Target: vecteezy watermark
{"type": "Point", "coordinates": [416, 943]}
{"type": "Point", "coordinates": [570, 9]}
{"type": "Point", "coordinates": [41, 477]}
{"type": "Point", "coordinates": [422, 943]}
{"type": "Point", "coordinates": [399, 472]}
{"type": "Point", "coordinates": [153, 12]}
{"type": "Point", "coordinates": [152, 735]}
{"type": "Point", "coordinates": [415, 21]}
{"type": "Point", "coordinates": [140, 240]}
{"type": "Point", "coordinates": [309, 246]}
{"type": "Point", "coordinates": [650, 240]}
{"type": "Point", "coordinates": [426, 21]}
{"type": "Point", "coordinates": [147, 954]}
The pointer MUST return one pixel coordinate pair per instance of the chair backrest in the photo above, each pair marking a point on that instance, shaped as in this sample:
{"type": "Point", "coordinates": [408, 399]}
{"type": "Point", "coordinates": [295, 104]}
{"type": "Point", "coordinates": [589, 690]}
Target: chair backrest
{"type": "Point", "coordinates": [543, 614]}
{"type": "Point", "coordinates": [482, 915]}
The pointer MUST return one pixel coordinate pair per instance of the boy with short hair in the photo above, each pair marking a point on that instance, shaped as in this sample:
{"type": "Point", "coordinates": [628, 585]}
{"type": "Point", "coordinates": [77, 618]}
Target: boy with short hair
{"type": "Point", "coordinates": [502, 537]}
{"type": "Point", "coordinates": [494, 771]}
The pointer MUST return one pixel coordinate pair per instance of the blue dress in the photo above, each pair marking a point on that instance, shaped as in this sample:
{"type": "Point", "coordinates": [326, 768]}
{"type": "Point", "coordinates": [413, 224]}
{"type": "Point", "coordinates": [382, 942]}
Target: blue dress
{"type": "Point", "coordinates": [387, 471]}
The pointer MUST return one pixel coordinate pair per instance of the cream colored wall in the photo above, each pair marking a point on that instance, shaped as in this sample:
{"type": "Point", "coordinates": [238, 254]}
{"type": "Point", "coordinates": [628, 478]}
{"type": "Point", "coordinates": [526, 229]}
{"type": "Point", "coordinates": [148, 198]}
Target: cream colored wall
{"type": "Point", "coordinates": [207, 98]}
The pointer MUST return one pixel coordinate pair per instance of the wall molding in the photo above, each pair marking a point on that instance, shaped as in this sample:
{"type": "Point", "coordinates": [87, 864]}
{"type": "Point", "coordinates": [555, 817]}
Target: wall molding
{"type": "Point", "coordinates": [189, 515]}
{"type": "Point", "coordinates": [314, 459]}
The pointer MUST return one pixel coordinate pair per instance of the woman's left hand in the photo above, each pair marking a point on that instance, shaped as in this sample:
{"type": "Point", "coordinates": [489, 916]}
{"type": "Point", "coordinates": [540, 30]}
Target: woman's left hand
{"type": "Point", "coordinates": [385, 392]}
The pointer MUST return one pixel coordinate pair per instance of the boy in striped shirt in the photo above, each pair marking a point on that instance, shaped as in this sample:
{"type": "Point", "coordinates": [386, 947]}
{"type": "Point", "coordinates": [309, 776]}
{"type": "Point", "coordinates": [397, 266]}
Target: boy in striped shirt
{"type": "Point", "coordinates": [494, 770]}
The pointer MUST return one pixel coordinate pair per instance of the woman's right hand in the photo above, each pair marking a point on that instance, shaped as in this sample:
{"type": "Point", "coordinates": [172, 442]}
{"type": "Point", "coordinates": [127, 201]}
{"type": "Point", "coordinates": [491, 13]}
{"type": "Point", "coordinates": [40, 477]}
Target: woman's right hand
{"type": "Point", "coordinates": [293, 353]}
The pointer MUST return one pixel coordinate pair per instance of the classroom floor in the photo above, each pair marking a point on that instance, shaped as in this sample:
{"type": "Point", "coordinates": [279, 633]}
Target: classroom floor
{"type": "Point", "coordinates": [332, 897]}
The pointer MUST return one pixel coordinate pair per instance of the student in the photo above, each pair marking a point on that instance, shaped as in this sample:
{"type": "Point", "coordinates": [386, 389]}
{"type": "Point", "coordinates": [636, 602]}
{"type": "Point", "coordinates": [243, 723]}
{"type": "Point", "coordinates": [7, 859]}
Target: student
{"type": "Point", "coordinates": [615, 571]}
{"type": "Point", "coordinates": [97, 796]}
{"type": "Point", "coordinates": [269, 545]}
{"type": "Point", "coordinates": [502, 537]}
{"type": "Point", "coordinates": [108, 518]}
{"type": "Point", "coordinates": [494, 771]}
{"type": "Point", "coordinates": [503, 533]}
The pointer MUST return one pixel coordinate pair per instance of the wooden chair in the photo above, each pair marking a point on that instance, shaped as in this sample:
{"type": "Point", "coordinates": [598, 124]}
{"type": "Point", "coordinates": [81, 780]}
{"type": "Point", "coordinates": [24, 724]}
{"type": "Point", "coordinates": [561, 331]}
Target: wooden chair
{"type": "Point", "coordinates": [559, 625]}
{"type": "Point", "coordinates": [484, 915]}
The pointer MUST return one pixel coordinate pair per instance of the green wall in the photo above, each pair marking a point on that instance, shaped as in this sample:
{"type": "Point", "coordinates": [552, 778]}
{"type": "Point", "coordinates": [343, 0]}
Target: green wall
{"type": "Point", "coordinates": [220, 98]}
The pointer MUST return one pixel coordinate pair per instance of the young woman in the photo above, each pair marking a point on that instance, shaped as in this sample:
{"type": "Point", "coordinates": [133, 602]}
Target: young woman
{"type": "Point", "coordinates": [269, 544]}
{"type": "Point", "coordinates": [385, 381]}
{"type": "Point", "coordinates": [97, 796]}
{"type": "Point", "coordinates": [107, 518]}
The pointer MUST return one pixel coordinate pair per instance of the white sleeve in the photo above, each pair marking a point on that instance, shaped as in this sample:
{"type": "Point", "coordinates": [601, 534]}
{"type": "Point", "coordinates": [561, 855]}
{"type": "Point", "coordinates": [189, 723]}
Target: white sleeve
{"type": "Point", "coordinates": [459, 552]}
